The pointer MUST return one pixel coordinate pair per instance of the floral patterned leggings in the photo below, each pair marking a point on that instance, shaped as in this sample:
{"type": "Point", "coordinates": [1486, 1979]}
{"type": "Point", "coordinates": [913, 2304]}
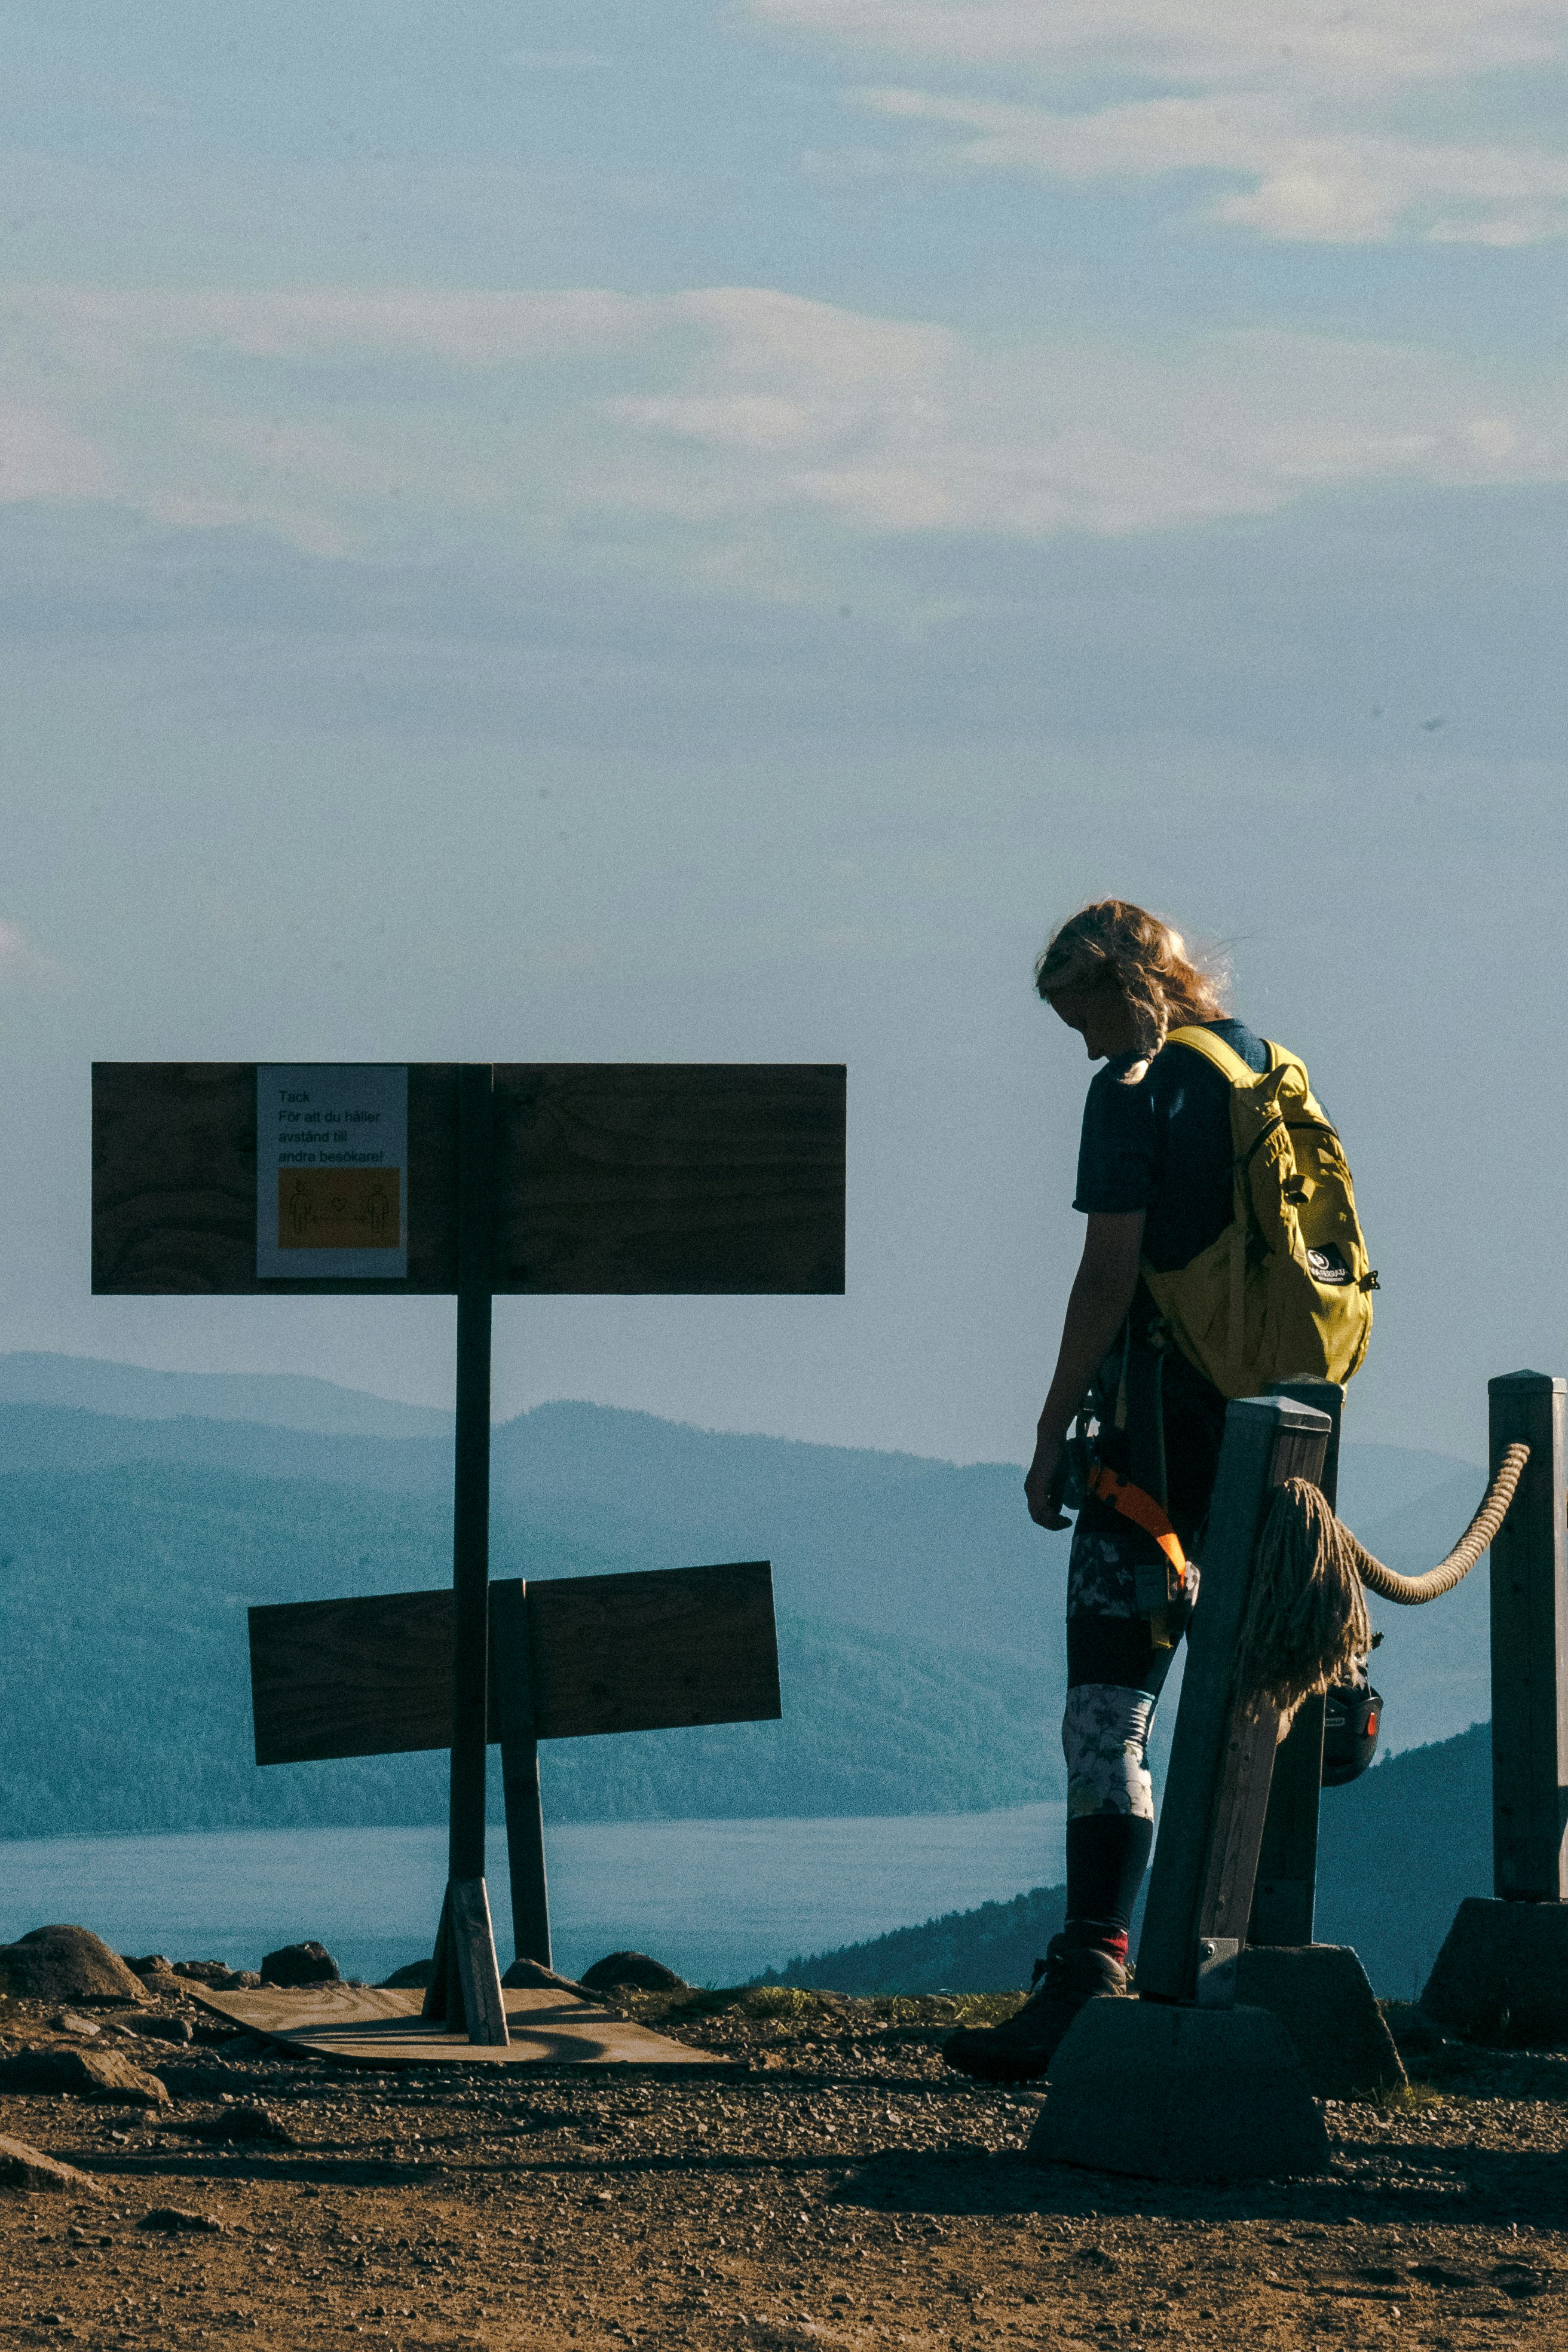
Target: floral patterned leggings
{"type": "Point", "coordinates": [1115, 1671]}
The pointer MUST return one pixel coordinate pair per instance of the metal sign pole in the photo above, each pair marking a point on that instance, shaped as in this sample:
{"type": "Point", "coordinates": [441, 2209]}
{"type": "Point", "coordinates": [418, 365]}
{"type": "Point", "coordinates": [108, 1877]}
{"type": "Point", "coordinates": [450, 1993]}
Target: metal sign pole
{"type": "Point", "coordinates": [466, 1979]}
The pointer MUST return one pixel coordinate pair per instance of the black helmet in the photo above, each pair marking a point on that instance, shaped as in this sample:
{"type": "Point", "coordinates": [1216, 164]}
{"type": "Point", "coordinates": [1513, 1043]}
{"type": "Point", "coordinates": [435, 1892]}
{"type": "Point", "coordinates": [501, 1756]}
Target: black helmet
{"type": "Point", "coordinates": [1351, 1714]}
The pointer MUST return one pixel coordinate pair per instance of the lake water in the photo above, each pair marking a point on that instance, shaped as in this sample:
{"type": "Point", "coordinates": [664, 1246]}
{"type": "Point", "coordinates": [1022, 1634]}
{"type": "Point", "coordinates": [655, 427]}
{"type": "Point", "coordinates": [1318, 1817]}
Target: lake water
{"type": "Point", "coordinates": [720, 1901]}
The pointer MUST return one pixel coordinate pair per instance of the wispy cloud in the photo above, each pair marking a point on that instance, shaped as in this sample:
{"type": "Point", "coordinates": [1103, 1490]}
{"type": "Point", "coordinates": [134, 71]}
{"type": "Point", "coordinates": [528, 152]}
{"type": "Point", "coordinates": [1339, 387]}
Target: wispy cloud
{"type": "Point", "coordinates": [1398, 41]}
{"type": "Point", "coordinates": [1338, 187]}
{"type": "Point", "coordinates": [719, 408]}
{"type": "Point", "coordinates": [465, 328]}
{"type": "Point", "coordinates": [22, 965]}
{"type": "Point", "coordinates": [1310, 114]}
{"type": "Point", "coordinates": [43, 457]}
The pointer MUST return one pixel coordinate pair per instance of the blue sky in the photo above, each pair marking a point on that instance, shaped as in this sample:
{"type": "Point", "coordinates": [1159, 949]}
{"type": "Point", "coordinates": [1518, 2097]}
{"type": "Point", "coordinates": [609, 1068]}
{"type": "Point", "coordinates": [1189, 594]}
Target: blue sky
{"type": "Point", "coordinates": [609, 533]}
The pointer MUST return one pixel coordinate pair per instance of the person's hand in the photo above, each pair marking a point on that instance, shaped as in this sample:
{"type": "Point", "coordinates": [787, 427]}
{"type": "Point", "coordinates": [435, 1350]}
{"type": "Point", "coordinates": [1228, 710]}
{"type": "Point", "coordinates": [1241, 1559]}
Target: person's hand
{"type": "Point", "coordinates": [1037, 1483]}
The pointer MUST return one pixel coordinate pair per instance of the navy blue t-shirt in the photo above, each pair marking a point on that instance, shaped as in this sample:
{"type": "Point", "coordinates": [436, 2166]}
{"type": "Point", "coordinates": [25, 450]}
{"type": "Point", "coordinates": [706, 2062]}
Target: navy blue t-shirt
{"type": "Point", "coordinates": [1163, 1145]}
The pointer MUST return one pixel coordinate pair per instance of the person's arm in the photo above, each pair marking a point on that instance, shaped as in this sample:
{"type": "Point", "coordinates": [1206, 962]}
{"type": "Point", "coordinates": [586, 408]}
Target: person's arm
{"type": "Point", "coordinates": [1102, 1293]}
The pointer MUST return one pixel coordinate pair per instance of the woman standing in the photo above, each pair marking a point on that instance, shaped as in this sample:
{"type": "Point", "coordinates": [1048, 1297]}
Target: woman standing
{"type": "Point", "coordinates": [1156, 1181]}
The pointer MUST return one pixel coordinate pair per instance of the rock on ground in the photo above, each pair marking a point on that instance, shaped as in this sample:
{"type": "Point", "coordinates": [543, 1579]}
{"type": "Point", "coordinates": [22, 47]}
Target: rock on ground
{"type": "Point", "coordinates": [64, 1963]}
{"type": "Point", "coordinates": [175, 2219]}
{"type": "Point", "coordinates": [24, 2167]}
{"type": "Point", "coordinates": [156, 2028]}
{"type": "Point", "coordinates": [533, 1973]}
{"type": "Point", "coordinates": [100, 2074]}
{"type": "Point", "coordinates": [414, 1974]}
{"type": "Point", "coordinates": [301, 1964]}
{"type": "Point", "coordinates": [632, 1969]}
{"type": "Point", "coordinates": [240, 2121]}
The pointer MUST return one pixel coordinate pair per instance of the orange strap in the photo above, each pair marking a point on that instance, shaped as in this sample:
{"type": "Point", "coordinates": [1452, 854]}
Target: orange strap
{"type": "Point", "coordinates": [1142, 1510]}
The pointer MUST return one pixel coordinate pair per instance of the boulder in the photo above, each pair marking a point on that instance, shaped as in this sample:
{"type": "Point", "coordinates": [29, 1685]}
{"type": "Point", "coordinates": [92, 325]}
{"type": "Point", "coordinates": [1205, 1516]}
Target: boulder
{"type": "Point", "coordinates": [67, 1964]}
{"type": "Point", "coordinates": [244, 2120]}
{"type": "Point", "coordinates": [301, 1964]}
{"type": "Point", "coordinates": [162, 1984]}
{"type": "Point", "coordinates": [202, 2082]}
{"type": "Point", "coordinates": [205, 1972]}
{"type": "Point", "coordinates": [156, 2028]}
{"type": "Point", "coordinates": [22, 2167]}
{"type": "Point", "coordinates": [177, 2218]}
{"type": "Point", "coordinates": [533, 1974]}
{"type": "Point", "coordinates": [100, 2074]}
{"type": "Point", "coordinates": [634, 1970]}
{"type": "Point", "coordinates": [413, 1975]}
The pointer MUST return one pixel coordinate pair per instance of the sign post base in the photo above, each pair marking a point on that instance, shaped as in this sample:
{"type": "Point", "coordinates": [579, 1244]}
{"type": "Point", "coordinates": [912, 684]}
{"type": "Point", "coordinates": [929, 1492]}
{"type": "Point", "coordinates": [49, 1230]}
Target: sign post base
{"type": "Point", "coordinates": [465, 1984]}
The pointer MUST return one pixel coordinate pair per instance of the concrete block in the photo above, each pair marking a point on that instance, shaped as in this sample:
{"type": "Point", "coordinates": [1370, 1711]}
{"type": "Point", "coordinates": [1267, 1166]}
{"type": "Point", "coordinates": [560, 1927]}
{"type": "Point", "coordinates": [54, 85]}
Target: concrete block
{"type": "Point", "coordinates": [1168, 2093]}
{"type": "Point", "coordinates": [1502, 1973]}
{"type": "Point", "coordinates": [1322, 1997]}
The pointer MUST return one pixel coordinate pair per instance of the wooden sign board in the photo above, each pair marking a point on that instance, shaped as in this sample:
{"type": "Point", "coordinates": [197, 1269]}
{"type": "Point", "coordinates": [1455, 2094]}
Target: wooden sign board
{"type": "Point", "coordinates": [609, 1177]}
{"type": "Point", "coordinates": [654, 1651]}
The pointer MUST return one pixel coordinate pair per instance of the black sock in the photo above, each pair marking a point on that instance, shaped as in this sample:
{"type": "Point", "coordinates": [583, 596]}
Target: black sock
{"type": "Point", "coordinates": [1107, 1856]}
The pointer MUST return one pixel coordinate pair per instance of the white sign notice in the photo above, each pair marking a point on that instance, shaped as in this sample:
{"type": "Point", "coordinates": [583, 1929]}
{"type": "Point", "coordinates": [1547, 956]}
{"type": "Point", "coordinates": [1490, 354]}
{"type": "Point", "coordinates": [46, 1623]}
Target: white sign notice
{"type": "Point", "coordinates": [331, 1169]}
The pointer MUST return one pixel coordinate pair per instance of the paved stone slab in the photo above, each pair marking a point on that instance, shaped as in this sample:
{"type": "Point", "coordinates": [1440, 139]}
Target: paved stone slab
{"type": "Point", "coordinates": [22, 2166]}
{"type": "Point", "coordinates": [1320, 1995]}
{"type": "Point", "coordinates": [380, 2025]}
{"type": "Point", "coordinates": [1168, 2093]}
{"type": "Point", "coordinates": [1502, 1973]}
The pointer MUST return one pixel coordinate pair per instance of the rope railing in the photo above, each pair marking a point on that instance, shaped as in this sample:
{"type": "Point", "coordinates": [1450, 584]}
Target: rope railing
{"type": "Point", "coordinates": [1476, 1538]}
{"type": "Point", "coordinates": [1306, 1620]}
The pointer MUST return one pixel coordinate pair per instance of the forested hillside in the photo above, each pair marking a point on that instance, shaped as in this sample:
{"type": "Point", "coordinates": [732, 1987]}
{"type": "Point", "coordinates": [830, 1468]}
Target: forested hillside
{"type": "Point", "coordinates": [919, 1610]}
{"type": "Point", "coordinates": [125, 1696]}
{"type": "Point", "coordinates": [1399, 1850]}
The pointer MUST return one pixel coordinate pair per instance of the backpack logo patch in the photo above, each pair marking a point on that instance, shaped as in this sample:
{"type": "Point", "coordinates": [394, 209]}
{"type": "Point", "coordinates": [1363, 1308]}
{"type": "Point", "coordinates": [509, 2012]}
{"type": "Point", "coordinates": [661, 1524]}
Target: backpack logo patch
{"type": "Point", "coordinates": [1329, 1265]}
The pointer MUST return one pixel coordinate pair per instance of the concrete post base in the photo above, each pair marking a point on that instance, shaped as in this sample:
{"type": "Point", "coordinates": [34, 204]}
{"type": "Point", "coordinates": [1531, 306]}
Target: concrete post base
{"type": "Point", "coordinates": [1502, 1973]}
{"type": "Point", "coordinates": [1321, 1996]}
{"type": "Point", "coordinates": [1169, 2094]}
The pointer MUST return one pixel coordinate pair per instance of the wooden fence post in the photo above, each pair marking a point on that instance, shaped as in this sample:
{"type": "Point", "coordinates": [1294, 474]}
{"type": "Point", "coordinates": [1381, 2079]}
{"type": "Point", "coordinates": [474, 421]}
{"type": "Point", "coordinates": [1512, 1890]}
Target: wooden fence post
{"type": "Point", "coordinates": [1221, 1757]}
{"type": "Point", "coordinates": [1285, 1897]}
{"type": "Point", "coordinates": [1530, 1646]}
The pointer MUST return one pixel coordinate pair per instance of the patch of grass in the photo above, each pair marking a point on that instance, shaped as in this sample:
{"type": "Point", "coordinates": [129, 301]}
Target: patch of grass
{"type": "Point", "coordinates": [798, 2010]}
{"type": "Point", "coordinates": [1403, 2098]}
{"type": "Point", "coordinates": [789, 2004]}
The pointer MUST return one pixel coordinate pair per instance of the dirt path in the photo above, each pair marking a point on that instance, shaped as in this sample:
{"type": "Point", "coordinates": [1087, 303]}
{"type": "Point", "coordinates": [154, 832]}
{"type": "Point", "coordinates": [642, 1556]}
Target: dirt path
{"type": "Point", "coordinates": [834, 2186]}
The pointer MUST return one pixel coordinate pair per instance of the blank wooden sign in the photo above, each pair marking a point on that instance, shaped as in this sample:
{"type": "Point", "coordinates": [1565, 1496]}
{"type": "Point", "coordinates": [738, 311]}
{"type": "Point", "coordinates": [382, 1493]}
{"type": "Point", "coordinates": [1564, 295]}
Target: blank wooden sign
{"type": "Point", "coordinates": [654, 1651]}
{"type": "Point", "coordinates": [610, 1177]}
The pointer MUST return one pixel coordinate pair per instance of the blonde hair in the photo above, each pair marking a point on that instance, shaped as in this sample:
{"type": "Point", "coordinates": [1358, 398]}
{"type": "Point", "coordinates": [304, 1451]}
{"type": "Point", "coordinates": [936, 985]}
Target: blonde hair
{"type": "Point", "coordinates": [1113, 944]}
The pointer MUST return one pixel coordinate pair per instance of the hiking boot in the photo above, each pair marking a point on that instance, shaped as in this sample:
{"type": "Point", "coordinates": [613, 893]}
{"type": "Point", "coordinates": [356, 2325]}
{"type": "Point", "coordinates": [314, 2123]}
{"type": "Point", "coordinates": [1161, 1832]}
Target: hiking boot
{"type": "Point", "coordinates": [1023, 2045]}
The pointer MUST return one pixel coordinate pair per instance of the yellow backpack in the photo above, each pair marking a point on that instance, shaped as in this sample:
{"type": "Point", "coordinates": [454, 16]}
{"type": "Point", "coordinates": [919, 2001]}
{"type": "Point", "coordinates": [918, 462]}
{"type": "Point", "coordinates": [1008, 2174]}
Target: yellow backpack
{"type": "Point", "coordinates": [1284, 1293]}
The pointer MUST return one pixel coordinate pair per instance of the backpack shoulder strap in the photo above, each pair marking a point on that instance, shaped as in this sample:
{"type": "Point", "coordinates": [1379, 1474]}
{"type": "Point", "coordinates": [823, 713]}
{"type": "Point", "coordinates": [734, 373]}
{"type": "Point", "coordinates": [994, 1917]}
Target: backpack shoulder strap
{"type": "Point", "coordinates": [1226, 1058]}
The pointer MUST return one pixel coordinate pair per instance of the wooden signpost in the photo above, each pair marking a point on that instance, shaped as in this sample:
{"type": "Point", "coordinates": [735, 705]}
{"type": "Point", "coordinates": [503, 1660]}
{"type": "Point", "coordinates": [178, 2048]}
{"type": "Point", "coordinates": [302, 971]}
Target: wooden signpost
{"type": "Point", "coordinates": [530, 1177]}
{"type": "Point", "coordinates": [570, 1658]}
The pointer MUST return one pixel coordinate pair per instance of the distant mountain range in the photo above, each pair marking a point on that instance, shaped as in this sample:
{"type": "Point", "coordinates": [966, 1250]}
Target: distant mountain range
{"type": "Point", "coordinates": [279, 1400]}
{"type": "Point", "coordinates": [897, 1545]}
{"type": "Point", "coordinates": [920, 1616]}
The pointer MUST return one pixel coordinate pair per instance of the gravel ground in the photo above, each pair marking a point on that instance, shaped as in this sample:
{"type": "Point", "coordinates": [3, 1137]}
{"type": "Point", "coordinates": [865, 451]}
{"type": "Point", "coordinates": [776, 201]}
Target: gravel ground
{"type": "Point", "coordinates": [834, 2185]}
